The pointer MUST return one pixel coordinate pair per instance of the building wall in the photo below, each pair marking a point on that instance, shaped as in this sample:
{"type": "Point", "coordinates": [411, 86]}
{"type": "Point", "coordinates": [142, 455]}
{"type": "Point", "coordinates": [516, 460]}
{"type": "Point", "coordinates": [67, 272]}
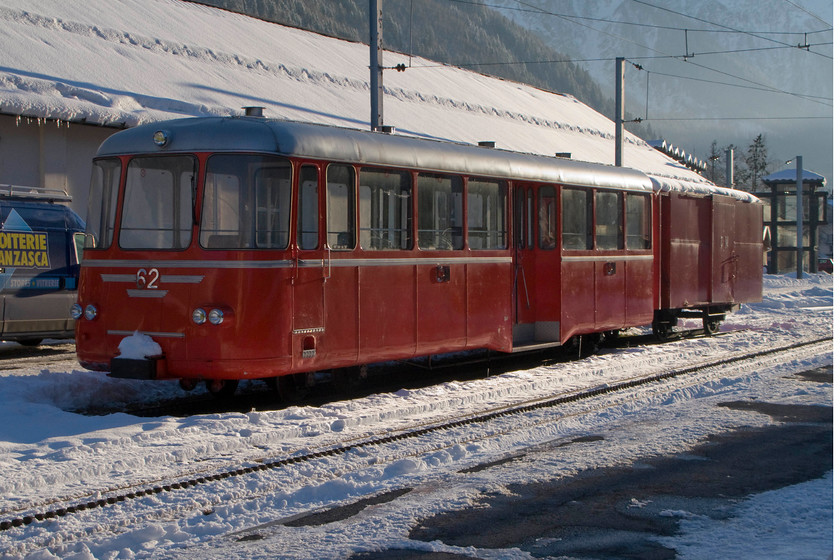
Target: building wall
{"type": "Point", "coordinates": [50, 154]}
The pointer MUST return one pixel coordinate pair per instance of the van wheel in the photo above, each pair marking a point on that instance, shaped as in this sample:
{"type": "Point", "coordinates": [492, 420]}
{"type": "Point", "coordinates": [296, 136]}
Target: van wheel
{"type": "Point", "coordinates": [30, 341]}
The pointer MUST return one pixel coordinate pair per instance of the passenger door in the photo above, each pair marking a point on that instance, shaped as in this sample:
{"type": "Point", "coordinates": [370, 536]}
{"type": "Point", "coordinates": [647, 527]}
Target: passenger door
{"type": "Point", "coordinates": [311, 268]}
{"type": "Point", "coordinates": [536, 265]}
{"type": "Point", "coordinates": [524, 265]}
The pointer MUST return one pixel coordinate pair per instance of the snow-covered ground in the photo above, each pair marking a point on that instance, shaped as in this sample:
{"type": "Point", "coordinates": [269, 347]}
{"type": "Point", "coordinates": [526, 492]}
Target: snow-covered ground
{"type": "Point", "coordinates": [48, 453]}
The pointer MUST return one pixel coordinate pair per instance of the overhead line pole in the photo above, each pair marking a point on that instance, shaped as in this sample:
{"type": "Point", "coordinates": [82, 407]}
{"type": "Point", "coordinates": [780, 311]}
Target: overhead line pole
{"type": "Point", "coordinates": [799, 214]}
{"type": "Point", "coordinates": [376, 119]}
{"type": "Point", "coordinates": [619, 111]}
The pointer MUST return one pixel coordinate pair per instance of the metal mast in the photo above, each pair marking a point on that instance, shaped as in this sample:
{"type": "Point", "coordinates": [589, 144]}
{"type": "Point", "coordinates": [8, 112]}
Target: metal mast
{"type": "Point", "coordinates": [376, 65]}
{"type": "Point", "coordinates": [619, 111]}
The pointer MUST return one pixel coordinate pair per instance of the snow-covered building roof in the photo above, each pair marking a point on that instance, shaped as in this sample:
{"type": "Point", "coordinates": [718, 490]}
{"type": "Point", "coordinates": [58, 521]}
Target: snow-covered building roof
{"type": "Point", "coordinates": [786, 176]}
{"type": "Point", "coordinates": [129, 62]}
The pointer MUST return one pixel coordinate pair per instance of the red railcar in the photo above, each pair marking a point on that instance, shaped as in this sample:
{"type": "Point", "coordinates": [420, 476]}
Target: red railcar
{"type": "Point", "coordinates": [253, 248]}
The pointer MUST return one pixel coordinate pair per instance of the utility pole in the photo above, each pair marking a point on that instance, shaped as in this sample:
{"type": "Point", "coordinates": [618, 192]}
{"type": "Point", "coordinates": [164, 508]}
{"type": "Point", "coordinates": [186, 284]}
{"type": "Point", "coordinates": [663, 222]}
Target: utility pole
{"type": "Point", "coordinates": [799, 216]}
{"type": "Point", "coordinates": [730, 168]}
{"type": "Point", "coordinates": [619, 111]}
{"type": "Point", "coordinates": [376, 119]}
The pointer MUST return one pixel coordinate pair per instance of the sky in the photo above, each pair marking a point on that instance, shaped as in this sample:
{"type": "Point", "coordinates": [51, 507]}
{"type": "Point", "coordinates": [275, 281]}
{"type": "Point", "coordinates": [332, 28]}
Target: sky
{"type": "Point", "coordinates": [741, 78]}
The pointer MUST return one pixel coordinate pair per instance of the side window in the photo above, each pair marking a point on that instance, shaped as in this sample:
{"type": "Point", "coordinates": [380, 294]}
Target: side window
{"type": "Point", "coordinates": [609, 234]}
{"type": "Point", "coordinates": [638, 221]}
{"type": "Point", "coordinates": [341, 207]}
{"type": "Point", "coordinates": [102, 203]}
{"type": "Point", "coordinates": [547, 218]}
{"type": "Point", "coordinates": [385, 209]}
{"type": "Point", "coordinates": [440, 214]}
{"type": "Point", "coordinates": [577, 219]}
{"type": "Point", "coordinates": [486, 214]}
{"type": "Point", "coordinates": [247, 200]}
{"type": "Point", "coordinates": [273, 193]}
{"type": "Point", "coordinates": [307, 226]}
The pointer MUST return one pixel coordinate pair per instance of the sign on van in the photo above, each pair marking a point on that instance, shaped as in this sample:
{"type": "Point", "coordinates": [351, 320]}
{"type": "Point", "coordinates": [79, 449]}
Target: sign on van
{"type": "Point", "coordinates": [24, 249]}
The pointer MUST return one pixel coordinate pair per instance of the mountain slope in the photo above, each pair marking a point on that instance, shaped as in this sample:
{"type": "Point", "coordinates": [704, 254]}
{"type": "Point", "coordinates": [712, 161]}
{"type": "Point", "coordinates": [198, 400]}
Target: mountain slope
{"type": "Point", "coordinates": [462, 34]}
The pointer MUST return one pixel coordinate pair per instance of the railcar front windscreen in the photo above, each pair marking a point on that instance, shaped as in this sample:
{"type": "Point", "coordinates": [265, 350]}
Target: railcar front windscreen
{"type": "Point", "coordinates": [158, 203]}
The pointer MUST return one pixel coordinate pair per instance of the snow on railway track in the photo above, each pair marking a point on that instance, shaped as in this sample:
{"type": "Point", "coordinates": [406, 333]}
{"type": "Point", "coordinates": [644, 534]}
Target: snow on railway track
{"type": "Point", "coordinates": [450, 440]}
{"type": "Point", "coordinates": [54, 460]}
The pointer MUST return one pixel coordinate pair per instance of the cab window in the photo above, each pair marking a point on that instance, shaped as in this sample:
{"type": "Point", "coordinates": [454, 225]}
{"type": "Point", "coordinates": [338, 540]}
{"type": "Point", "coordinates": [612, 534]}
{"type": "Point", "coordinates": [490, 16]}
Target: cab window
{"type": "Point", "coordinates": [102, 203]}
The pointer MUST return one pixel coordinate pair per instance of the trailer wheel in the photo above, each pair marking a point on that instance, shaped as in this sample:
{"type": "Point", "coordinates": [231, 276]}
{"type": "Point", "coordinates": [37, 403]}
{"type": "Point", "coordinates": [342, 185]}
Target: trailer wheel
{"type": "Point", "coordinates": [710, 326]}
{"type": "Point", "coordinates": [662, 331]}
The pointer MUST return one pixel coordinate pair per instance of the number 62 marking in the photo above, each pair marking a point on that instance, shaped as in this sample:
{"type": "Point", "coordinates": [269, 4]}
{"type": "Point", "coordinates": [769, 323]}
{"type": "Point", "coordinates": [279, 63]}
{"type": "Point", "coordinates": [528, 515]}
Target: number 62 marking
{"type": "Point", "coordinates": [148, 279]}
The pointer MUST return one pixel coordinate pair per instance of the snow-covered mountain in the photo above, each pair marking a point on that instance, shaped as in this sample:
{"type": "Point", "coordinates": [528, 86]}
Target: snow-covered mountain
{"type": "Point", "coordinates": [771, 82]}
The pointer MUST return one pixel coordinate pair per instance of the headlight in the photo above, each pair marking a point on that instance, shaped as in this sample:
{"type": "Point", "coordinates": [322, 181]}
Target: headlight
{"type": "Point", "coordinates": [90, 312]}
{"type": "Point", "coordinates": [199, 316]}
{"type": "Point", "coordinates": [216, 316]}
{"type": "Point", "coordinates": [76, 311]}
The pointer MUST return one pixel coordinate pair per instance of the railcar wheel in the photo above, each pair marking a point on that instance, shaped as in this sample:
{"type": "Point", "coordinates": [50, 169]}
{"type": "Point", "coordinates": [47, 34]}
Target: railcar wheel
{"type": "Point", "coordinates": [222, 388]}
{"type": "Point", "coordinates": [291, 388]}
{"type": "Point", "coordinates": [187, 384]}
{"type": "Point", "coordinates": [349, 378]}
{"type": "Point", "coordinates": [285, 388]}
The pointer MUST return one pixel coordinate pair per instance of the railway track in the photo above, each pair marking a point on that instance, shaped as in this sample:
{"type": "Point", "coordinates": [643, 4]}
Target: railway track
{"type": "Point", "coordinates": [385, 378]}
{"type": "Point", "coordinates": [355, 451]}
{"type": "Point", "coordinates": [14, 357]}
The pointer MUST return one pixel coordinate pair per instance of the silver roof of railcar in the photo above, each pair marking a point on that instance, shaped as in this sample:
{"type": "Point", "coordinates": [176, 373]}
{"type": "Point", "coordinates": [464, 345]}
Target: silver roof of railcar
{"type": "Point", "coordinates": [256, 134]}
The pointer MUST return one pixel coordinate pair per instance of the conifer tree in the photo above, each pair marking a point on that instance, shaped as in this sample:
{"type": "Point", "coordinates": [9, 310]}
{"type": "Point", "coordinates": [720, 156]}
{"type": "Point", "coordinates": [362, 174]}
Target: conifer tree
{"type": "Point", "coordinates": [756, 160]}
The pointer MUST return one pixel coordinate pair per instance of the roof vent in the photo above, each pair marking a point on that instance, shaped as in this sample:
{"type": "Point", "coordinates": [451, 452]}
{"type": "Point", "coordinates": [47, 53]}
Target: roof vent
{"type": "Point", "coordinates": [487, 144]}
{"type": "Point", "coordinates": [253, 111]}
{"type": "Point", "coordinates": [387, 129]}
{"type": "Point", "coordinates": [564, 155]}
